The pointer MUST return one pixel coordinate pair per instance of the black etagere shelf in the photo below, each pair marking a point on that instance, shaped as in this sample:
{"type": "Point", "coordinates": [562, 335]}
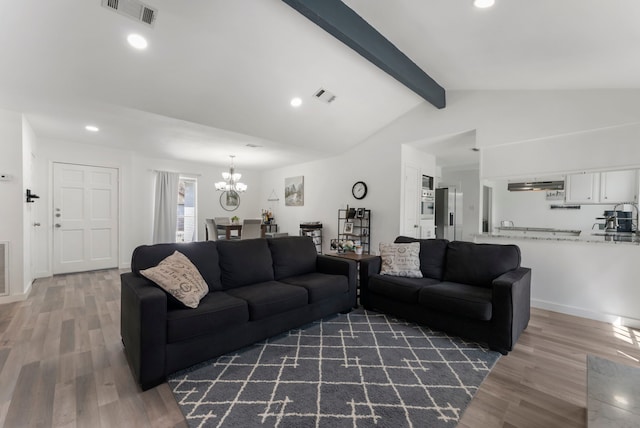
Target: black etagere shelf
{"type": "Point", "coordinates": [354, 225]}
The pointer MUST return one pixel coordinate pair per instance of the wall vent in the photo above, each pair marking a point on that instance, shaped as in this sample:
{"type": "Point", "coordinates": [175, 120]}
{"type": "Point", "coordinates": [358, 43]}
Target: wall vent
{"type": "Point", "coordinates": [132, 9]}
{"type": "Point", "coordinates": [324, 95]}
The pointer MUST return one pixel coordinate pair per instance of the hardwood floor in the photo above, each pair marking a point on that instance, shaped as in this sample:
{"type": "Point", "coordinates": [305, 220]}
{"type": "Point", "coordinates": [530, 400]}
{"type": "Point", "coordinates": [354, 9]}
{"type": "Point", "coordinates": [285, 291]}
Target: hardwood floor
{"type": "Point", "coordinates": [62, 364]}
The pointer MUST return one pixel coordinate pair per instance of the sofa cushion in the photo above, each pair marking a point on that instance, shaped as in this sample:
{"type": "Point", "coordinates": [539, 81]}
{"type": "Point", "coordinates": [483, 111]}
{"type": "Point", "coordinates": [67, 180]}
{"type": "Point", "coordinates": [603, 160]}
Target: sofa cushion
{"type": "Point", "coordinates": [320, 286]}
{"type": "Point", "coordinates": [270, 298]}
{"type": "Point", "coordinates": [432, 255]}
{"type": "Point", "coordinates": [293, 255]}
{"type": "Point", "coordinates": [217, 310]}
{"type": "Point", "coordinates": [179, 278]}
{"type": "Point", "coordinates": [400, 259]}
{"type": "Point", "coordinates": [399, 288]}
{"type": "Point", "coordinates": [462, 300]}
{"type": "Point", "coordinates": [479, 264]}
{"type": "Point", "coordinates": [204, 255]}
{"type": "Point", "coordinates": [245, 262]}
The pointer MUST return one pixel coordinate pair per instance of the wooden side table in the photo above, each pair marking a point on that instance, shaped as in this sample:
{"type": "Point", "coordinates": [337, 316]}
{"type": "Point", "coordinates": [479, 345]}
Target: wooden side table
{"type": "Point", "coordinates": [358, 258]}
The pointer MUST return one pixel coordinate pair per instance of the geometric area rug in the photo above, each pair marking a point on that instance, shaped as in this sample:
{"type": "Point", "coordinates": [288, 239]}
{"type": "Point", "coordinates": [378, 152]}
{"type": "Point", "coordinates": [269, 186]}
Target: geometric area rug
{"type": "Point", "coordinates": [360, 369]}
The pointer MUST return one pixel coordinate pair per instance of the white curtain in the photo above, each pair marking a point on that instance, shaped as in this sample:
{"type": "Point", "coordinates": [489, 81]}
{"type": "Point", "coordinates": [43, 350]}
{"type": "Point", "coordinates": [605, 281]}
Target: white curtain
{"type": "Point", "coordinates": [165, 217]}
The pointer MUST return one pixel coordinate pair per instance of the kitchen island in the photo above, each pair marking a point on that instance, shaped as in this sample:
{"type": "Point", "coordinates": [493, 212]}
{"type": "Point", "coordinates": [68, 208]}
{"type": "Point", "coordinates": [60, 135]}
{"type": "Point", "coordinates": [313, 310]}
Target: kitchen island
{"type": "Point", "coordinates": [591, 275]}
{"type": "Point", "coordinates": [575, 235]}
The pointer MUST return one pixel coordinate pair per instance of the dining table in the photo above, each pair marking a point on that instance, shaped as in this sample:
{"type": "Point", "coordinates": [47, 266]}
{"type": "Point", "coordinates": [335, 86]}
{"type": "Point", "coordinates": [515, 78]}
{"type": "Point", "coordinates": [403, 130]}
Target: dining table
{"type": "Point", "coordinates": [228, 228]}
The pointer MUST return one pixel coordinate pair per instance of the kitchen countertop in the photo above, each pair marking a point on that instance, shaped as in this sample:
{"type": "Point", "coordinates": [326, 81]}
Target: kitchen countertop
{"type": "Point", "coordinates": [564, 235]}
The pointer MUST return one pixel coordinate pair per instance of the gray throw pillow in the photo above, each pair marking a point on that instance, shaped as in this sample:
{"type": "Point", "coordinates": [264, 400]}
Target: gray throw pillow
{"type": "Point", "coordinates": [400, 260]}
{"type": "Point", "coordinates": [180, 278]}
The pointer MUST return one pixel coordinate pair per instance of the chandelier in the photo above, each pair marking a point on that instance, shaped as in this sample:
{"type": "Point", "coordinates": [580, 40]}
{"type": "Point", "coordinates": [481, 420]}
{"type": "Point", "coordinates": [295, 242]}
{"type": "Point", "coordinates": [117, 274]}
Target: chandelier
{"type": "Point", "coordinates": [231, 181]}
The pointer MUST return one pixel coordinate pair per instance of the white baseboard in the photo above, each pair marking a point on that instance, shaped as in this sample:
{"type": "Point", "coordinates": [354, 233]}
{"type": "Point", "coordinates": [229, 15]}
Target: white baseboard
{"type": "Point", "coordinates": [586, 313]}
{"type": "Point", "coordinates": [17, 297]}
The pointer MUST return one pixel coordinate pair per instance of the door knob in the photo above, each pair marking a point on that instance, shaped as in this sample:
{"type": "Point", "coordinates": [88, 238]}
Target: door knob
{"type": "Point", "coordinates": [36, 224]}
{"type": "Point", "coordinates": [58, 225]}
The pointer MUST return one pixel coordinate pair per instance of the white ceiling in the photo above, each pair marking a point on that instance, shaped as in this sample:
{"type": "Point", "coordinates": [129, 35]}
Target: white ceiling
{"type": "Point", "coordinates": [219, 74]}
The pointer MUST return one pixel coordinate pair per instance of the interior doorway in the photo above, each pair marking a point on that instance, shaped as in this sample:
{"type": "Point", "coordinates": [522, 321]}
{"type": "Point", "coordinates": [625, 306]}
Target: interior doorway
{"type": "Point", "coordinates": [487, 204]}
{"type": "Point", "coordinates": [85, 218]}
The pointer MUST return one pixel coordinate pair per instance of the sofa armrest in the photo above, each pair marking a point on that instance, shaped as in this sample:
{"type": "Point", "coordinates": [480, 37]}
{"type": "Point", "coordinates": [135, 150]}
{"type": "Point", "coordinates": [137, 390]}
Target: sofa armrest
{"type": "Point", "coordinates": [143, 327]}
{"type": "Point", "coordinates": [511, 301]}
{"type": "Point", "coordinates": [367, 268]}
{"type": "Point", "coordinates": [337, 266]}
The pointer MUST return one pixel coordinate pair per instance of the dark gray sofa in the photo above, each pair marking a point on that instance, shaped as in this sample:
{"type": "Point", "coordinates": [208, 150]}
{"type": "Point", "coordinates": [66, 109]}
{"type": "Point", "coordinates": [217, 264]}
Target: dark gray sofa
{"type": "Point", "coordinates": [257, 288]}
{"type": "Point", "coordinates": [476, 291]}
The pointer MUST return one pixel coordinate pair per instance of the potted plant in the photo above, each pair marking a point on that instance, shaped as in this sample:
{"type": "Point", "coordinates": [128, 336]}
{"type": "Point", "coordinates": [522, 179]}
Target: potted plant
{"type": "Point", "coordinates": [235, 219]}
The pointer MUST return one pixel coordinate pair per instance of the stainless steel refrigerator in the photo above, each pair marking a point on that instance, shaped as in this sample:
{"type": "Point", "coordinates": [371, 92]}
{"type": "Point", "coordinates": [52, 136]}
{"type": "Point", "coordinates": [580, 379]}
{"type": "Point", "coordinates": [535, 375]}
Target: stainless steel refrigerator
{"type": "Point", "coordinates": [448, 217]}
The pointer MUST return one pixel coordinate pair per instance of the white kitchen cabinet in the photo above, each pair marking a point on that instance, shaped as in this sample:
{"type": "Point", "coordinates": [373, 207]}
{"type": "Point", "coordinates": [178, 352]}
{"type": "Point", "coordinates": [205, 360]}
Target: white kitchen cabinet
{"type": "Point", "coordinates": [619, 186]}
{"type": "Point", "coordinates": [582, 188]}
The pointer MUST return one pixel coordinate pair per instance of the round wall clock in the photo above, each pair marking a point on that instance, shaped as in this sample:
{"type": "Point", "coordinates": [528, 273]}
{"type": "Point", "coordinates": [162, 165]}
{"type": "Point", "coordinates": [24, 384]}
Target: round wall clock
{"type": "Point", "coordinates": [359, 190]}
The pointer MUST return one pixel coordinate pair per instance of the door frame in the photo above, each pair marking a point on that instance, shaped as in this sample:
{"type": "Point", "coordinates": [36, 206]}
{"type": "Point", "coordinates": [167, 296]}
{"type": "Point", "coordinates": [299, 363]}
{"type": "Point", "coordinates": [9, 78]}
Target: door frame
{"type": "Point", "coordinates": [49, 216]}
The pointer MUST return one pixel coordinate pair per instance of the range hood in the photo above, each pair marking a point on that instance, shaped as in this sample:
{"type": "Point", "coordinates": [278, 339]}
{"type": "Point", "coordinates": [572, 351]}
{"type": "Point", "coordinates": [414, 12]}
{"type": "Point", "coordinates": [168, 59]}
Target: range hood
{"type": "Point", "coordinates": [525, 186]}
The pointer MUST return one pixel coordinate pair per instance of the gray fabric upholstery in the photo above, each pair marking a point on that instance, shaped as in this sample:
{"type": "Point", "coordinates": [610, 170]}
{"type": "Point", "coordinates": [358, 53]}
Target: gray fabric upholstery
{"type": "Point", "coordinates": [468, 301]}
{"type": "Point", "coordinates": [479, 264]}
{"type": "Point", "coordinates": [202, 254]}
{"type": "Point", "coordinates": [217, 310]}
{"type": "Point", "coordinates": [292, 256]}
{"type": "Point", "coordinates": [399, 288]}
{"type": "Point", "coordinates": [485, 296]}
{"type": "Point", "coordinates": [161, 337]}
{"type": "Point", "coordinates": [244, 262]}
{"type": "Point", "coordinates": [320, 286]}
{"type": "Point", "coordinates": [432, 255]}
{"type": "Point", "coordinates": [270, 298]}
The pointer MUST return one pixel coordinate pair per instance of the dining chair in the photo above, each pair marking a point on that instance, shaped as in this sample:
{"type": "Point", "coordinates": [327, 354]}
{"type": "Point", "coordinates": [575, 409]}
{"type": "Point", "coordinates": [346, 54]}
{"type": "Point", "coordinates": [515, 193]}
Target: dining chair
{"type": "Point", "coordinates": [212, 229]}
{"type": "Point", "coordinates": [226, 221]}
{"type": "Point", "coordinates": [222, 220]}
{"type": "Point", "coordinates": [251, 228]}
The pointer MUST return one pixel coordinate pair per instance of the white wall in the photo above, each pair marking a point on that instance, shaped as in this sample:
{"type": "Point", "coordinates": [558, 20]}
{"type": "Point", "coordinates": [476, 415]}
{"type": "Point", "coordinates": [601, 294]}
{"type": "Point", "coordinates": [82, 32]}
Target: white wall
{"type": "Point", "coordinates": [591, 280]}
{"type": "Point", "coordinates": [137, 181]}
{"type": "Point", "coordinates": [533, 133]}
{"type": "Point", "coordinates": [29, 148]}
{"type": "Point", "coordinates": [328, 185]}
{"type": "Point", "coordinates": [505, 117]}
{"type": "Point", "coordinates": [12, 206]}
{"type": "Point", "coordinates": [615, 147]}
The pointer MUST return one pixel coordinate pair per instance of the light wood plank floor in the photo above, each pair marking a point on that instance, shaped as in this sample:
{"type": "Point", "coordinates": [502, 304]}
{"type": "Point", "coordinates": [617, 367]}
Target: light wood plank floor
{"type": "Point", "coordinates": [62, 365]}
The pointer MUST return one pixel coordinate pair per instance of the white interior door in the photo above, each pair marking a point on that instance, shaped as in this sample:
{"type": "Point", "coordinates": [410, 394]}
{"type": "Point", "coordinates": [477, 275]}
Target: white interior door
{"type": "Point", "coordinates": [85, 218]}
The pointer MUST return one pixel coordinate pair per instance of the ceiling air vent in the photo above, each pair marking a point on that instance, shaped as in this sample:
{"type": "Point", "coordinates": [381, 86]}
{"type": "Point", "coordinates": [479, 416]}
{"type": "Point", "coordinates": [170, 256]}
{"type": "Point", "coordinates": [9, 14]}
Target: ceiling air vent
{"type": "Point", "coordinates": [132, 9]}
{"type": "Point", "coordinates": [324, 95]}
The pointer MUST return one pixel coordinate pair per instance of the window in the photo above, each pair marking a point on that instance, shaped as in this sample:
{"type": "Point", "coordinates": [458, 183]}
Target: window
{"type": "Point", "coordinates": [186, 230]}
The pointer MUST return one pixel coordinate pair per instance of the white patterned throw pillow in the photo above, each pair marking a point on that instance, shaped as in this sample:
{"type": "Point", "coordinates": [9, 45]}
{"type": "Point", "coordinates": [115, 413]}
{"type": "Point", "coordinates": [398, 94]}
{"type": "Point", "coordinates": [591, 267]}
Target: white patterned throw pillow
{"type": "Point", "coordinates": [401, 259]}
{"type": "Point", "coordinates": [179, 277]}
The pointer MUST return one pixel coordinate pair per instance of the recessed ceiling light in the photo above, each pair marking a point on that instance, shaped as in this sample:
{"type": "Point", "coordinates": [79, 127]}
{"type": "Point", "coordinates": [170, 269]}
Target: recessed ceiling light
{"type": "Point", "coordinates": [137, 41]}
{"type": "Point", "coordinates": [483, 3]}
{"type": "Point", "coordinates": [92, 128]}
{"type": "Point", "coordinates": [296, 102]}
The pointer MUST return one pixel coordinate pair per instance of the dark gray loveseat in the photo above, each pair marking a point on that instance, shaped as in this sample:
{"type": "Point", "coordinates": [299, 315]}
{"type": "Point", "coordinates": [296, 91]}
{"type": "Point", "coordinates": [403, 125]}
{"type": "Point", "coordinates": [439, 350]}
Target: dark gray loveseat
{"type": "Point", "coordinates": [257, 288]}
{"type": "Point", "coordinates": [477, 291]}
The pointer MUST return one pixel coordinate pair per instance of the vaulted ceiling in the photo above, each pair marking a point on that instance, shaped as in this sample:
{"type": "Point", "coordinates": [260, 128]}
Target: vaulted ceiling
{"type": "Point", "coordinates": [219, 74]}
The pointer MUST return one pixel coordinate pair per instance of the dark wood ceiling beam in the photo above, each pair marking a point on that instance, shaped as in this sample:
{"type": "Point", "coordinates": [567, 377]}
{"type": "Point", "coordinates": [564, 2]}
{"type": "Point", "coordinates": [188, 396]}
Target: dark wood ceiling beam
{"type": "Point", "coordinates": [347, 26]}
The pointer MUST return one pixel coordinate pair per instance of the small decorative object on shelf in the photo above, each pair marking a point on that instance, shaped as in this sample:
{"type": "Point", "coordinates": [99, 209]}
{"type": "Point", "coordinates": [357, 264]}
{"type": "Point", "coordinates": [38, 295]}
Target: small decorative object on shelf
{"type": "Point", "coordinates": [267, 217]}
{"type": "Point", "coordinates": [314, 230]}
{"type": "Point", "coordinates": [235, 219]}
{"type": "Point", "coordinates": [354, 231]}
